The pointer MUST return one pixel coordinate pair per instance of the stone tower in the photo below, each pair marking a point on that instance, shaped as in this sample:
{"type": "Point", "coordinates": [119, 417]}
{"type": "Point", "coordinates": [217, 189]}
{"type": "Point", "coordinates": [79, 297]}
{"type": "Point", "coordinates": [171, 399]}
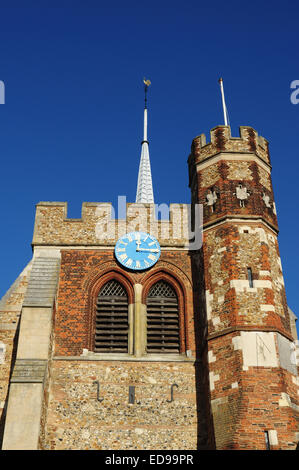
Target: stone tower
{"type": "Point", "coordinates": [194, 352]}
{"type": "Point", "coordinates": [251, 360]}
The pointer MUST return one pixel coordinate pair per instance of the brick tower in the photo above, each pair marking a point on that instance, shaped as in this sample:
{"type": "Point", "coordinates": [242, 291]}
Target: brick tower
{"type": "Point", "coordinates": [251, 360]}
{"type": "Point", "coordinates": [193, 351]}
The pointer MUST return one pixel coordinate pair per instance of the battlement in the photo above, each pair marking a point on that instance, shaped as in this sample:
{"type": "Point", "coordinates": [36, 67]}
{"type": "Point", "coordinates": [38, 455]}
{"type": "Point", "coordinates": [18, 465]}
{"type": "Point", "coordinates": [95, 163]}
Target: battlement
{"type": "Point", "coordinates": [222, 141]}
{"type": "Point", "coordinates": [98, 226]}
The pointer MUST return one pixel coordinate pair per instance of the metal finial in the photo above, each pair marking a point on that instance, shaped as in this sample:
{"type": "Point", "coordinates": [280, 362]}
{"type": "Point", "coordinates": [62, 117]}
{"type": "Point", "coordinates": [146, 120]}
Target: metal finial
{"type": "Point", "coordinates": [147, 83]}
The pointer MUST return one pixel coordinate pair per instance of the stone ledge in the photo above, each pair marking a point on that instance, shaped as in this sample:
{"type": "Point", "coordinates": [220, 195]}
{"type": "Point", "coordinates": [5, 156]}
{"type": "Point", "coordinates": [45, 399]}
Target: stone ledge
{"type": "Point", "coordinates": [233, 156]}
{"type": "Point", "coordinates": [8, 326]}
{"type": "Point", "coordinates": [29, 371]}
{"type": "Point", "coordinates": [125, 358]}
{"type": "Point", "coordinates": [240, 219]}
{"type": "Point", "coordinates": [234, 329]}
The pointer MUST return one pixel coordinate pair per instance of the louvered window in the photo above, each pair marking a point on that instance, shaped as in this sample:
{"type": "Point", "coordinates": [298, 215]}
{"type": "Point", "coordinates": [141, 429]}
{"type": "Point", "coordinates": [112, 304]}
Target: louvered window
{"type": "Point", "coordinates": [112, 319]}
{"type": "Point", "coordinates": [162, 319]}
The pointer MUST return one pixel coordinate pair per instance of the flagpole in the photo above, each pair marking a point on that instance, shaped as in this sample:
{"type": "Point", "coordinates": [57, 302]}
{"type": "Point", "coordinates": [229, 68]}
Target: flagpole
{"type": "Point", "coordinates": [223, 101]}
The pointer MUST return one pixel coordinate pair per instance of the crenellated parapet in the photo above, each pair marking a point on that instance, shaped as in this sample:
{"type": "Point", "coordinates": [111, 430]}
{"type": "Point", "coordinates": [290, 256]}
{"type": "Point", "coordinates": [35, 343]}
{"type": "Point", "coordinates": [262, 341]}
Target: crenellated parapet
{"type": "Point", "coordinates": [232, 176]}
{"type": "Point", "coordinates": [98, 226]}
{"type": "Point", "coordinates": [222, 141]}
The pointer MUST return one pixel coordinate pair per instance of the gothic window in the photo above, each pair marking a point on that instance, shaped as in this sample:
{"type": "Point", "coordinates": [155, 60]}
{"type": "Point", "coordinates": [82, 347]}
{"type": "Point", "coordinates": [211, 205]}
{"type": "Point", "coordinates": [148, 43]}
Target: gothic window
{"type": "Point", "coordinates": [162, 319]}
{"type": "Point", "coordinates": [111, 333]}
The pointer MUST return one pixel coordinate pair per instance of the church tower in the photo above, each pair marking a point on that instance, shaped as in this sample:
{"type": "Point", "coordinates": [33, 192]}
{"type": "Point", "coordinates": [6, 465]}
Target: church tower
{"type": "Point", "coordinates": [124, 334]}
{"type": "Point", "coordinates": [251, 353]}
{"type": "Point", "coordinates": [105, 357]}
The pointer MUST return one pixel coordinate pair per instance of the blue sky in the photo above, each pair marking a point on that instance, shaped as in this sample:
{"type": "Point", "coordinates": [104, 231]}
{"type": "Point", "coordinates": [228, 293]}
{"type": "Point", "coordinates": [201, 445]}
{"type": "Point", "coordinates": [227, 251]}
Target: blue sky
{"type": "Point", "coordinates": [71, 126]}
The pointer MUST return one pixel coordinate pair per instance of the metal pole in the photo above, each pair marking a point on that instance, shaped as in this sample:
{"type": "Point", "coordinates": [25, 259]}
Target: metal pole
{"type": "Point", "coordinates": [223, 101]}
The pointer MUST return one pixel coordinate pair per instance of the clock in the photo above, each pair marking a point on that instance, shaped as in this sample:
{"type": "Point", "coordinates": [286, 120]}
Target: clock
{"type": "Point", "coordinates": [137, 250]}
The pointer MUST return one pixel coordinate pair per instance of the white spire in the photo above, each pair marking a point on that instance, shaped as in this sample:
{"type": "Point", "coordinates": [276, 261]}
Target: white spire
{"type": "Point", "coordinates": [145, 192]}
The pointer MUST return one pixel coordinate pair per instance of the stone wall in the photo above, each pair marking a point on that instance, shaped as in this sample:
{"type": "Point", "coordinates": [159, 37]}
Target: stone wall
{"type": "Point", "coordinates": [229, 250]}
{"type": "Point", "coordinates": [77, 420]}
{"type": "Point", "coordinates": [73, 418]}
{"type": "Point", "coordinates": [10, 311]}
{"type": "Point", "coordinates": [251, 393]}
{"type": "Point", "coordinates": [98, 227]}
{"type": "Point", "coordinates": [253, 378]}
{"type": "Point", "coordinates": [224, 177]}
{"type": "Point", "coordinates": [235, 339]}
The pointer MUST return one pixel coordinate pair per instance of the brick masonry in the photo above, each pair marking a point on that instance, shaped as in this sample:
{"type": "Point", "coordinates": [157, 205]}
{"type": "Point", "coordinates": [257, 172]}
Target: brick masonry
{"type": "Point", "coordinates": [250, 392]}
{"type": "Point", "coordinates": [81, 277]}
{"type": "Point", "coordinates": [229, 250]}
{"type": "Point", "coordinates": [235, 376]}
{"type": "Point", "coordinates": [246, 403]}
{"type": "Point", "coordinates": [73, 418]}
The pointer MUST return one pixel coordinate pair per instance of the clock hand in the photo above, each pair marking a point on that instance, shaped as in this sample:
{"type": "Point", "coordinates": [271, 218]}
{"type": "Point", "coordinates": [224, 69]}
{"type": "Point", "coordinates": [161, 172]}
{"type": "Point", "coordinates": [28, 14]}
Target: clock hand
{"type": "Point", "coordinates": [153, 250]}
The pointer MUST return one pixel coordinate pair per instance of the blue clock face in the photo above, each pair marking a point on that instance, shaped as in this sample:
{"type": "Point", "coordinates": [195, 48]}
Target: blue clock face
{"type": "Point", "coordinates": [137, 250]}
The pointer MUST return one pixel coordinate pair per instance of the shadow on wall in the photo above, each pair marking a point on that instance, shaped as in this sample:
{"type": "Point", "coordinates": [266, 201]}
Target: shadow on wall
{"type": "Point", "coordinates": [205, 432]}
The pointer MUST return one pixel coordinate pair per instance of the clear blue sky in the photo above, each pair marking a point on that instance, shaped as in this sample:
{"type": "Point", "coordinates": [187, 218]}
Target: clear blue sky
{"type": "Point", "coordinates": [71, 127]}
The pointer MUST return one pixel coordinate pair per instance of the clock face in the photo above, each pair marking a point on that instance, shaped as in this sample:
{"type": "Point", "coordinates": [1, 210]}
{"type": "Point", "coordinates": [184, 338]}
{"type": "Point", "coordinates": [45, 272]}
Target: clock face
{"type": "Point", "coordinates": [137, 250]}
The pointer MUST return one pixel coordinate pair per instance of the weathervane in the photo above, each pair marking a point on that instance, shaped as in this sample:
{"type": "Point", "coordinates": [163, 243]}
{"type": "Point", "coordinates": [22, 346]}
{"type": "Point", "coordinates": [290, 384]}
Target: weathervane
{"type": "Point", "coordinates": [147, 83]}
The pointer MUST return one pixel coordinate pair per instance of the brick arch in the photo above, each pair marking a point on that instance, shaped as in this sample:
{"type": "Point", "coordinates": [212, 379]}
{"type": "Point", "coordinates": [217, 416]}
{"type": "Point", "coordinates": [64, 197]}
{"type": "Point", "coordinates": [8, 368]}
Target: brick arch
{"type": "Point", "coordinates": [182, 295]}
{"type": "Point", "coordinates": [161, 275]}
{"type": "Point", "coordinates": [102, 271]}
{"type": "Point", "coordinates": [95, 285]}
{"type": "Point", "coordinates": [100, 278]}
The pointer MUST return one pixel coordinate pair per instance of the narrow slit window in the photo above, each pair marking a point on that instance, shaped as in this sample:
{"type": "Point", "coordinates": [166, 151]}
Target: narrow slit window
{"type": "Point", "coordinates": [267, 440]}
{"type": "Point", "coordinates": [250, 278]}
{"type": "Point", "coordinates": [163, 334]}
{"type": "Point", "coordinates": [112, 325]}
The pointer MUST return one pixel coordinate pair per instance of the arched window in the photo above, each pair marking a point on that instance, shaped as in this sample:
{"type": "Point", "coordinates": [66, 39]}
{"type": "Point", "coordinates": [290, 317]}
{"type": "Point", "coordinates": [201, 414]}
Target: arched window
{"type": "Point", "coordinates": [162, 319]}
{"type": "Point", "coordinates": [111, 333]}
